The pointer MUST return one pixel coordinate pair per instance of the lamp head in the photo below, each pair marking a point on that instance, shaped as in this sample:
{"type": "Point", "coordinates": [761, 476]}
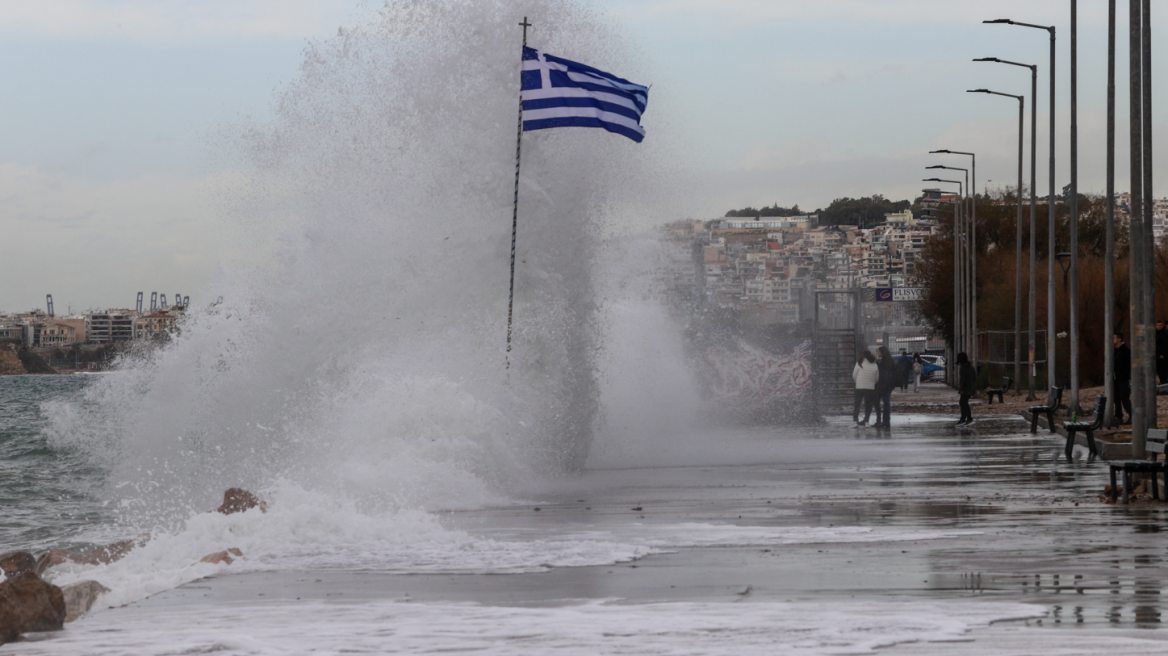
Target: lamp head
{"type": "Point", "coordinates": [934, 152]}
{"type": "Point", "coordinates": [1005, 21]}
{"type": "Point", "coordinates": [935, 166]}
{"type": "Point", "coordinates": [978, 91]}
{"type": "Point", "coordinates": [989, 59]}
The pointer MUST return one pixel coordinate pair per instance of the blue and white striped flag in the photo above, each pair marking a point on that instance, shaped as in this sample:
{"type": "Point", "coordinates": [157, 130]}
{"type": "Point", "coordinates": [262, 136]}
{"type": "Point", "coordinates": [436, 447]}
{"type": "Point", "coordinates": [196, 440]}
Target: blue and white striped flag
{"type": "Point", "coordinates": [560, 93]}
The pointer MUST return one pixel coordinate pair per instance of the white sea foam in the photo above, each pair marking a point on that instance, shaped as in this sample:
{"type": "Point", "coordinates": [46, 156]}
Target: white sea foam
{"type": "Point", "coordinates": [307, 531]}
{"type": "Point", "coordinates": [314, 627]}
{"type": "Point", "coordinates": [362, 355]}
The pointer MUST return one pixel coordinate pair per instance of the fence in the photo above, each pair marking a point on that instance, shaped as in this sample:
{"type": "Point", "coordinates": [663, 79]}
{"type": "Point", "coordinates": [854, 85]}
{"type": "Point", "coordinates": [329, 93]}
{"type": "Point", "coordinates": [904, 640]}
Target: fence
{"type": "Point", "coordinates": [997, 347]}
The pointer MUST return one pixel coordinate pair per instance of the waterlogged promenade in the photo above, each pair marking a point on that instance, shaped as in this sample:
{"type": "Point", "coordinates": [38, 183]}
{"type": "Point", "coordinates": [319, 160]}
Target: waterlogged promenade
{"type": "Point", "coordinates": [810, 541]}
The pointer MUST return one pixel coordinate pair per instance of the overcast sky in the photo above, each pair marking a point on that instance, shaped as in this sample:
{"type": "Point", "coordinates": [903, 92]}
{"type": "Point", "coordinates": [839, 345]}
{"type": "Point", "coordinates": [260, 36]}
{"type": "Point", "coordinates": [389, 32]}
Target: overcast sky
{"type": "Point", "coordinates": [107, 104]}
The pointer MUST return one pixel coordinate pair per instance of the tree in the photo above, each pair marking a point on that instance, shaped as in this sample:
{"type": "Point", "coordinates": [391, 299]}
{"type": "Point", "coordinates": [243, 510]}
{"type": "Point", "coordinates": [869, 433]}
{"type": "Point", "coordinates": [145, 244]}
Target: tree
{"type": "Point", "coordinates": [775, 210]}
{"type": "Point", "coordinates": [864, 212]}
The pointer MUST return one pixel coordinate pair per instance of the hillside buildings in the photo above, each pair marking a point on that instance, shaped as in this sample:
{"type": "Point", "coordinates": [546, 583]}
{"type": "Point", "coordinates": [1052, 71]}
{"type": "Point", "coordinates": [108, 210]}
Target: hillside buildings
{"type": "Point", "coordinates": [39, 329]}
{"type": "Point", "coordinates": [771, 267]}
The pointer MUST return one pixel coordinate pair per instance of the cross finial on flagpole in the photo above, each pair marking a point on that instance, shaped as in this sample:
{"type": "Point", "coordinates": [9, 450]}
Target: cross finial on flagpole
{"type": "Point", "coordinates": [525, 25]}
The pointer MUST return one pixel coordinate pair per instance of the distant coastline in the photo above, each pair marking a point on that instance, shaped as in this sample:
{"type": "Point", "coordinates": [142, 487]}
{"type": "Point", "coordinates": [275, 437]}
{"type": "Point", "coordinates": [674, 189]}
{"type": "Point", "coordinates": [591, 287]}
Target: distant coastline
{"type": "Point", "coordinates": [19, 360]}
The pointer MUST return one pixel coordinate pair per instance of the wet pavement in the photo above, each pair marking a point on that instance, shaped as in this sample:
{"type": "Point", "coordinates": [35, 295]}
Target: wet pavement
{"type": "Point", "coordinates": [1030, 527]}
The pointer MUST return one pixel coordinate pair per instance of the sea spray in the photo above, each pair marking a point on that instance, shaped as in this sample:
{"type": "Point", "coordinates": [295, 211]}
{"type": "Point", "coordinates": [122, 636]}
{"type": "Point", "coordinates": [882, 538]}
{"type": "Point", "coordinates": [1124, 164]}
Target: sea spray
{"type": "Point", "coordinates": [364, 358]}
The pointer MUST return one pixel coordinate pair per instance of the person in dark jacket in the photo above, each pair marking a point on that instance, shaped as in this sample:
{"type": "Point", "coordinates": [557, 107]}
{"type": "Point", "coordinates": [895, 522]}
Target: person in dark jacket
{"type": "Point", "coordinates": [1122, 379]}
{"type": "Point", "coordinates": [888, 381]}
{"type": "Point", "coordinates": [966, 387]}
{"type": "Point", "coordinates": [1162, 351]}
{"type": "Point", "coordinates": [905, 364]}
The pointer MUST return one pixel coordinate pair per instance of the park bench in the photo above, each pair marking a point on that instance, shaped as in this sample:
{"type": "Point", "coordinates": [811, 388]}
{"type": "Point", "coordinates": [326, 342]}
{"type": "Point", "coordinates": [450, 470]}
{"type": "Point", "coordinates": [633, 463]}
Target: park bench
{"type": "Point", "coordinates": [1153, 444]}
{"type": "Point", "coordinates": [1007, 383]}
{"type": "Point", "coordinates": [1053, 401]}
{"type": "Point", "coordinates": [1089, 428]}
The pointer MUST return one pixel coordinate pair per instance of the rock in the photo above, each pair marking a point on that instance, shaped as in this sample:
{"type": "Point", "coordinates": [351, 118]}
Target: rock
{"type": "Point", "coordinates": [222, 556]}
{"type": "Point", "coordinates": [237, 499]}
{"type": "Point", "coordinates": [100, 556]}
{"type": "Point", "coordinates": [10, 364]}
{"type": "Point", "coordinates": [15, 562]}
{"type": "Point", "coordinates": [27, 603]}
{"type": "Point", "coordinates": [79, 598]}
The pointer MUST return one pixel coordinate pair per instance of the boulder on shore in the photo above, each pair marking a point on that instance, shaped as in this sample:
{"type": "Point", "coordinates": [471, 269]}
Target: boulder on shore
{"type": "Point", "coordinates": [100, 556]}
{"type": "Point", "coordinates": [224, 556]}
{"type": "Point", "coordinates": [16, 562]}
{"type": "Point", "coordinates": [237, 499]}
{"type": "Point", "coordinates": [79, 598]}
{"type": "Point", "coordinates": [28, 603]}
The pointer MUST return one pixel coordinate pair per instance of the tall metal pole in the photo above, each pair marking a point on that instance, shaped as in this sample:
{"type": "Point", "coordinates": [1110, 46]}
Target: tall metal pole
{"type": "Point", "coordinates": [973, 254]}
{"type": "Point", "coordinates": [515, 205]}
{"type": "Point", "coordinates": [970, 337]}
{"type": "Point", "coordinates": [1139, 416]}
{"type": "Point", "coordinates": [1109, 255]}
{"type": "Point", "coordinates": [967, 262]}
{"type": "Point", "coordinates": [957, 248]}
{"type": "Point", "coordinates": [1074, 219]}
{"type": "Point", "coordinates": [1050, 240]}
{"type": "Point", "coordinates": [1149, 207]}
{"type": "Point", "coordinates": [969, 232]}
{"type": "Point", "coordinates": [1032, 317]}
{"type": "Point", "coordinates": [1018, 256]}
{"type": "Point", "coordinates": [1050, 352]}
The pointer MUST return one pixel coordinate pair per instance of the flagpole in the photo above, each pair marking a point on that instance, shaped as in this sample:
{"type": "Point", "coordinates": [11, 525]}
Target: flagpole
{"type": "Point", "coordinates": [515, 204]}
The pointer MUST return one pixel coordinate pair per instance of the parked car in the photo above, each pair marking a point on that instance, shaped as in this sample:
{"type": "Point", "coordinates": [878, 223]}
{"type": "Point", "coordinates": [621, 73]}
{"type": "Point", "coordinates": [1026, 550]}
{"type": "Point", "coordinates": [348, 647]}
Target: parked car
{"type": "Point", "coordinates": [933, 364]}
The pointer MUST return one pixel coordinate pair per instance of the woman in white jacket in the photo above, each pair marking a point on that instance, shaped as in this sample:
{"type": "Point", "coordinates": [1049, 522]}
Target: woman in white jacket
{"type": "Point", "coordinates": [864, 375]}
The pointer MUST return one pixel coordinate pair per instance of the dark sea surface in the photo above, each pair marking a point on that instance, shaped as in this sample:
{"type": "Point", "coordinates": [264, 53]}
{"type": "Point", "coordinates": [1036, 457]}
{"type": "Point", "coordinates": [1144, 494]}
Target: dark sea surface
{"type": "Point", "coordinates": [46, 492]}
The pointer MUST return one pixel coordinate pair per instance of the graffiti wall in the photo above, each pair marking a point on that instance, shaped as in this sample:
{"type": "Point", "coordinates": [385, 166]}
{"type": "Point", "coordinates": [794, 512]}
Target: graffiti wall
{"type": "Point", "coordinates": [757, 376]}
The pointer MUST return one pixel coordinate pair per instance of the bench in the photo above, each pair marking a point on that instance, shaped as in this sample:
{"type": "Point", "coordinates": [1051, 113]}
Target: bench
{"type": "Point", "coordinates": [1007, 383]}
{"type": "Point", "coordinates": [1053, 401]}
{"type": "Point", "coordinates": [1154, 444]}
{"type": "Point", "coordinates": [1089, 428]}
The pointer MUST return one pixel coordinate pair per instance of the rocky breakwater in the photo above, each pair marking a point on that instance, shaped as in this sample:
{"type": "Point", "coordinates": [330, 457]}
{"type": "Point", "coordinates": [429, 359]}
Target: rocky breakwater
{"type": "Point", "coordinates": [29, 604]}
{"type": "Point", "coordinates": [10, 364]}
{"type": "Point", "coordinates": [16, 360]}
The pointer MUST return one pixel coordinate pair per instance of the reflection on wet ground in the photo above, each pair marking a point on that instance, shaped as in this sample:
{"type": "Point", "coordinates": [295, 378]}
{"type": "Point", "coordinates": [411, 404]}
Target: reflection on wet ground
{"type": "Point", "coordinates": [1039, 532]}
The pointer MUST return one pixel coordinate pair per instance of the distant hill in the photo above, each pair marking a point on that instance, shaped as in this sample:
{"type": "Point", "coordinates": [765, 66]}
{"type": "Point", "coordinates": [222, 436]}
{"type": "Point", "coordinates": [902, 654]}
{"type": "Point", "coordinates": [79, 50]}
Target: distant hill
{"type": "Point", "coordinates": [775, 210]}
{"type": "Point", "coordinates": [864, 212]}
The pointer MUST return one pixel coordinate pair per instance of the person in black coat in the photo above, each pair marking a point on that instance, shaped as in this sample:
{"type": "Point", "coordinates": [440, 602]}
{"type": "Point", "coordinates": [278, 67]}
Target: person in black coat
{"type": "Point", "coordinates": [1122, 379]}
{"type": "Point", "coordinates": [889, 380]}
{"type": "Point", "coordinates": [1162, 351]}
{"type": "Point", "coordinates": [966, 387]}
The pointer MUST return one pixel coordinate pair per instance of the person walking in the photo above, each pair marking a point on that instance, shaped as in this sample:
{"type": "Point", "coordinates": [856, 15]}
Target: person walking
{"type": "Point", "coordinates": [918, 368]}
{"type": "Point", "coordinates": [889, 379]}
{"type": "Point", "coordinates": [905, 364]}
{"type": "Point", "coordinates": [1162, 351]}
{"type": "Point", "coordinates": [864, 375]}
{"type": "Point", "coordinates": [1122, 379]}
{"type": "Point", "coordinates": [966, 388]}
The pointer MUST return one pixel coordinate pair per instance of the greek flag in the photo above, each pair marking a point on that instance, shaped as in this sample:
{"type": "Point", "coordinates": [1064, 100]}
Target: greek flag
{"type": "Point", "coordinates": [560, 93]}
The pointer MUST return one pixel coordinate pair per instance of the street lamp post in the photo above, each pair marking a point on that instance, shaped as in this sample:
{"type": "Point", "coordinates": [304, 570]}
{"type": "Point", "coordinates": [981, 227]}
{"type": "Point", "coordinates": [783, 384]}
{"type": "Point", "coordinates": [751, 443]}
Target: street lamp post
{"type": "Point", "coordinates": [1050, 345]}
{"type": "Point", "coordinates": [973, 241]}
{"type": "Point", "coordinates": [1141, 247]}
{"type": "Point", "coordinates": [968, 268]}
{"type": "Point", "coordinates": [1073, 299]}
{"type": "Point", "coordinates": [1032, 316]}
{"type": "Point", "coordinates": [1018, 243]}
{"type": "Point", "coordinates": [957, 288]}
{"type": "Point", "coordinates": [1109, 256]}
